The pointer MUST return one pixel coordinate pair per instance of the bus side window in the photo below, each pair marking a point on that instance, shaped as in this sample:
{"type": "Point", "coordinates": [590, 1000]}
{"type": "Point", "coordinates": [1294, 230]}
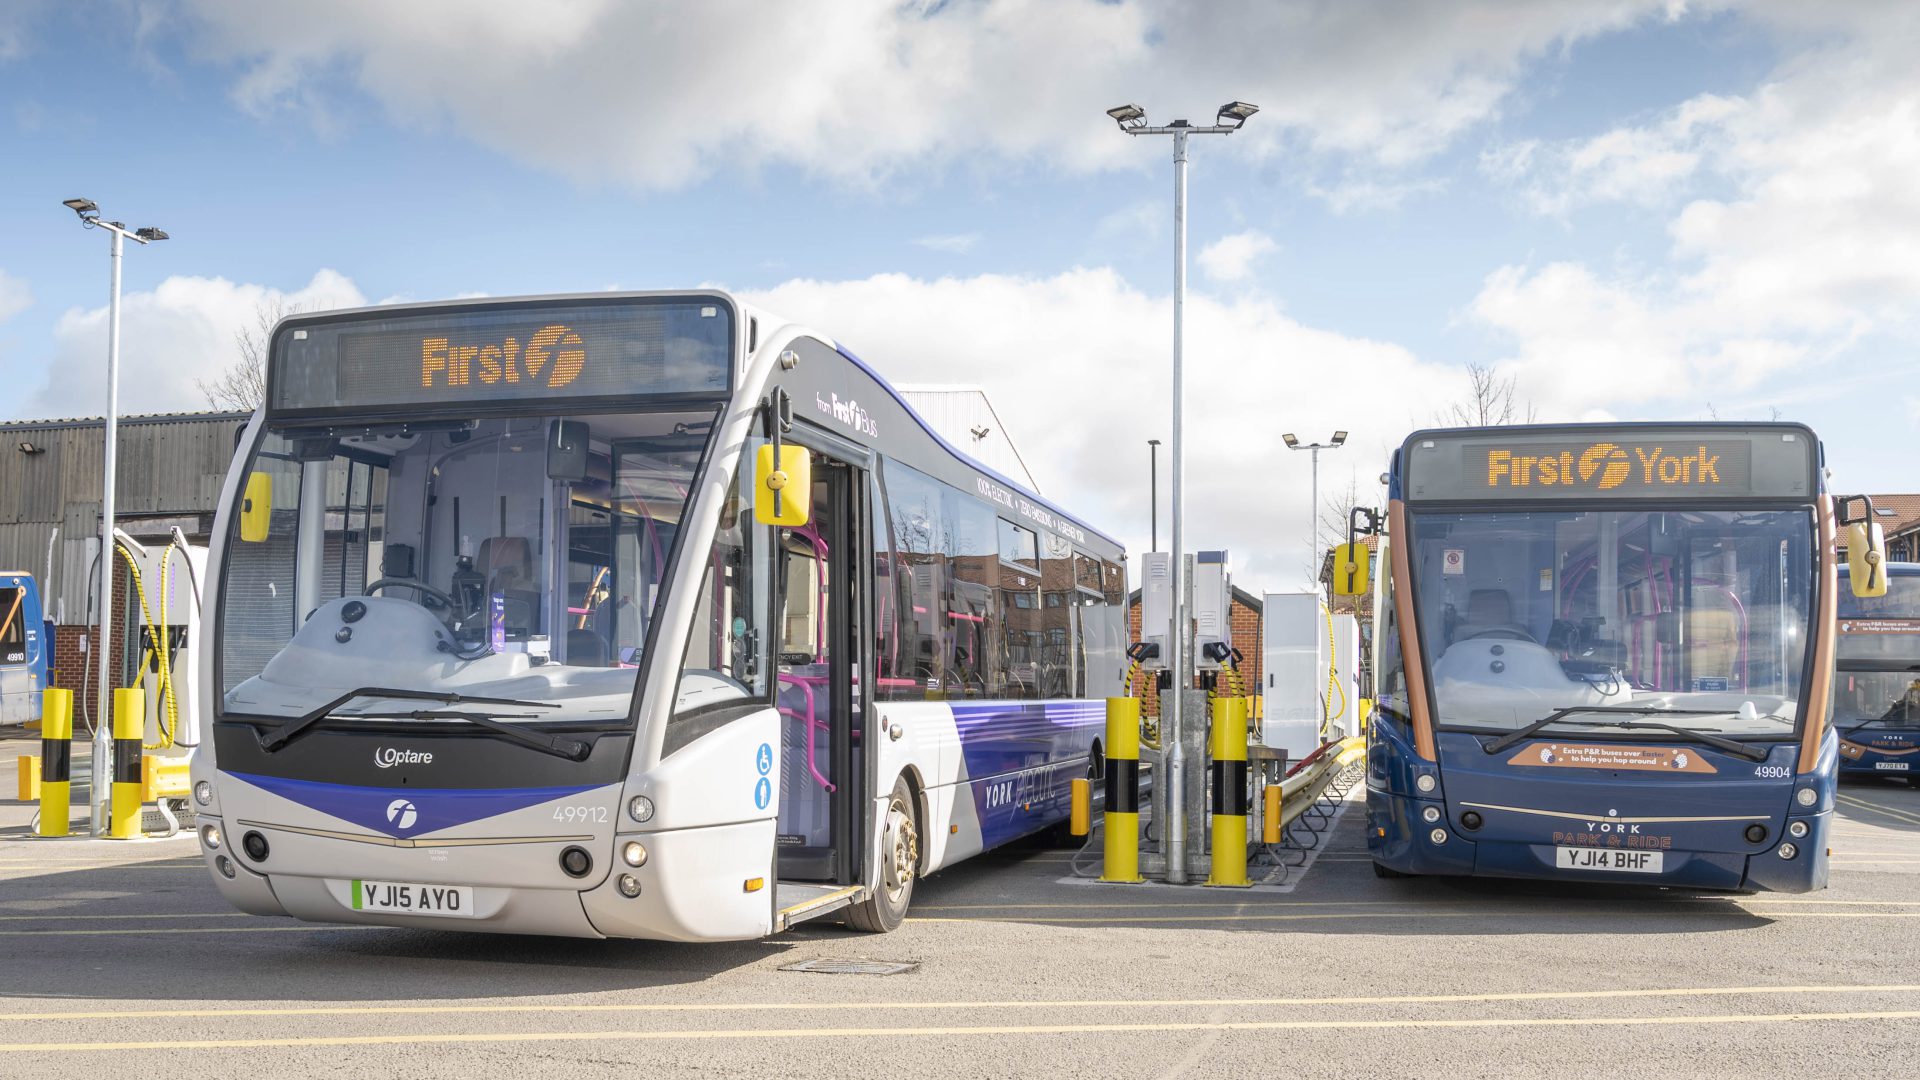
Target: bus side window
{"type": "Point", "coordinates": [914, 506]}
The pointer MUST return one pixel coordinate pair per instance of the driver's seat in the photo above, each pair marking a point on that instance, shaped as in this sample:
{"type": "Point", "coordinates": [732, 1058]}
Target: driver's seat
{"type": "Point", "coordinates": [1488, 609]}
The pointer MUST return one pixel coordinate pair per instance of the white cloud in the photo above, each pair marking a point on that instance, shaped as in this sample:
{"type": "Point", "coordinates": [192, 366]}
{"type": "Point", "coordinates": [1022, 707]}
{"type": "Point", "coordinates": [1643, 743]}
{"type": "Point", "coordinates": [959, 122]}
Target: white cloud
{"type": "Point", "coordinates": [15, 297]}
{"type": "Point", "coordinates": [660, 95]}
{"type": "Point", "coordinates": [1231, 258]}
{"type": "Point", "coordinates": [180, 331]}
{"type": "Point", "coordinates": [957, 244]}
{"type": "Point", "coordinates": [1795, 238]}
{"type": "Point", "coordinates": [1077, 367]}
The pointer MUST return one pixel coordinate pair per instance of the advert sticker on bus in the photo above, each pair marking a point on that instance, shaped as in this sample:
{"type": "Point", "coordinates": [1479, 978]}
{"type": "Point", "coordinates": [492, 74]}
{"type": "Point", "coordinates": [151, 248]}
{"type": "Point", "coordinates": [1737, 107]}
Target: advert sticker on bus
{"type": "Point", "coordinates": [1566, 464]}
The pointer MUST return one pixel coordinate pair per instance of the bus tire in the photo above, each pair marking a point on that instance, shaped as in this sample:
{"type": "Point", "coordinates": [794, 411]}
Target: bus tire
{"type": "Point", "coordinates": [1380, 870]}
{"type": "Point", "coordinates": [900, 864]}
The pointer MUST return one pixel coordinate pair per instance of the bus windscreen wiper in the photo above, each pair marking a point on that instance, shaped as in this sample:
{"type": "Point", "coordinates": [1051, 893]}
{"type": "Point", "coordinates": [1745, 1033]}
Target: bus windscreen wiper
{"type": "Point", "coordinates": [1729, 745]}
{"type": "Point", "coordinates": [299, 725]}
{"type": "Point", "coordinates": [571, 749]}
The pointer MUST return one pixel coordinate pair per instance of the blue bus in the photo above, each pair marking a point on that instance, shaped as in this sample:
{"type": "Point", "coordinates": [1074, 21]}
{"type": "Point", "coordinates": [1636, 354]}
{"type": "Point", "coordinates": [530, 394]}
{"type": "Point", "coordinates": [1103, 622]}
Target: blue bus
{"type": "Point", "coordinates": [1606, 653]}
{"type": "Point", "coordinates": [1876, 707]}
{"type": "Point", "coordinates": [26, 649]}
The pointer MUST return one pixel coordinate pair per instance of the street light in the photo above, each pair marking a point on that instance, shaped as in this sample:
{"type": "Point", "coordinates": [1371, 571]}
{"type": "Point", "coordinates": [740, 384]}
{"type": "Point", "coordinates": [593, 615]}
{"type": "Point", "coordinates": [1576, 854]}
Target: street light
{"type": "Point", "coordinates": [1153, 490]}
{"type": "Point", "coordinates": [1133, 121]}
{"type": "Point", "coordinates": [1339, 439]}
{"type": "Point", "coordinates": [101, 793]}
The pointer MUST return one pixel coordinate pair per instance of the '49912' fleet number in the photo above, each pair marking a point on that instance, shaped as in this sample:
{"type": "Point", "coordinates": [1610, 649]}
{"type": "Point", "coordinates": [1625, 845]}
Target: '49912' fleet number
{"type": "Point", "coordinates": [581, 814]}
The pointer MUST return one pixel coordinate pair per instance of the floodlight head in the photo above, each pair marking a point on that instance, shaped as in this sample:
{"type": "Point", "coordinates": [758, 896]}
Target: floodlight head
{"type": "Point", "coordinates": [150, 234]}
{"type": "Point", "coordinates": [1339, 437]}
{"type": "Point", "coordinates": [1128, 116]}
{"type": "Point", "coordinates": [1153, 442]}
{"type": "Point", "coordinates": [1235, 113]}
{"type": "Point", "coordinates": [1290, 440]}
{"type": "Point", "coordinates": [84, 207]}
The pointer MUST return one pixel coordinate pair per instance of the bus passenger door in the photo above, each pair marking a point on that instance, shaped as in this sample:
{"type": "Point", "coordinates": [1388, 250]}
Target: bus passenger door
{"type": "Point", "coordinates": [820, 698]}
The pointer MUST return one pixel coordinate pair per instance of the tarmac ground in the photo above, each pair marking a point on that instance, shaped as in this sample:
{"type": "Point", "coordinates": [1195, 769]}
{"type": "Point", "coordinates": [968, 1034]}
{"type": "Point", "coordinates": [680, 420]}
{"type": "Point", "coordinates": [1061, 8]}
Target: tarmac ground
{"type": "Point", "coordinates": [117, 956]}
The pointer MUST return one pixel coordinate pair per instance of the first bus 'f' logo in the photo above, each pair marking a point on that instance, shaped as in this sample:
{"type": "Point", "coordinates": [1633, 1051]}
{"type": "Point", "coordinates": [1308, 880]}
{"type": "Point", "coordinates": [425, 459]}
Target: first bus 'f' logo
{"type": "Point", "coordinates": [553, 357]}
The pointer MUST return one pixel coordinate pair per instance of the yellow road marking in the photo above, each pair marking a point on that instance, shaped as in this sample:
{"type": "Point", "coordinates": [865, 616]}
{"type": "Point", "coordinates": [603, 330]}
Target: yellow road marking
{"type": "Point", "coordinates": [1412, 914]}
{"type": "Point", "coordinates": [123, 932]}
{"type": "Point", "coordinates": [1089, 1003]}
{"type": "Point", "coordinates": [132, 916]}
{"type": "Point", "coordinates": [997, 1029]}
{"type": "Point", "coordinates": [1897, 815]}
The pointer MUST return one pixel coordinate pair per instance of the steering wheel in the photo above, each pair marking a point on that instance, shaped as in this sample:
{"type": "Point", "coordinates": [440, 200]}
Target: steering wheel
{"type": "Point", "coordinates": [1506, 633]}
{"type": "Point", "coordinates": [440, 599]}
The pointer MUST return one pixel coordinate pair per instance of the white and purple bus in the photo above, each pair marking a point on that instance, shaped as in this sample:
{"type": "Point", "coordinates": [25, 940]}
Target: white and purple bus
{"type": "Point", "coordinates": [627, 615]}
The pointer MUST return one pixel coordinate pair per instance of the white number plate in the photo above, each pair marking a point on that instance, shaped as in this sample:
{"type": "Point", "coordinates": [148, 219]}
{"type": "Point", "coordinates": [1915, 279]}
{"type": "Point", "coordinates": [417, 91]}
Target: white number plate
{"type": "Point", "coordinates": [1891, 766]}
{"type": "Point", "coordinates": [1586, 858]}
{"type": "Point", "coordinates": [396, 896]}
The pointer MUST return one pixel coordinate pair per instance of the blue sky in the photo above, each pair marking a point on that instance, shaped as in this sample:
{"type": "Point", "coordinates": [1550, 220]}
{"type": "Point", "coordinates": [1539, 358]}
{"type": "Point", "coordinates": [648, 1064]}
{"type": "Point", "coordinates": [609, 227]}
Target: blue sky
{"type": "Point", "coordinates": [1620, 208]}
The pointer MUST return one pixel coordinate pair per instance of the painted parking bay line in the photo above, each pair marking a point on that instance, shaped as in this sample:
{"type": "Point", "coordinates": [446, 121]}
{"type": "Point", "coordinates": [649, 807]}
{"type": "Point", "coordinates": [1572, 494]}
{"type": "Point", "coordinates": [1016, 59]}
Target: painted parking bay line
{"type": "Point", "coordinates": [836, 1006]}
{"type": "Point", "coordinates": [424, 1038]}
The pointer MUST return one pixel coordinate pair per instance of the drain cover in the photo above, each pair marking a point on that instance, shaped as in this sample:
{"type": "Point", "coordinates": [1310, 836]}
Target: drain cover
{"type": "Point", "coordinates": [852, 967]}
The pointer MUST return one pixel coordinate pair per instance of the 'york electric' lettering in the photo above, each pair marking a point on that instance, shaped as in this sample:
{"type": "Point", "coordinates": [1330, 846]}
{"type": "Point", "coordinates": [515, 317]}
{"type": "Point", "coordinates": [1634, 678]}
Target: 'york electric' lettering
{"type": "Point", "coordinates": [1604, 466]}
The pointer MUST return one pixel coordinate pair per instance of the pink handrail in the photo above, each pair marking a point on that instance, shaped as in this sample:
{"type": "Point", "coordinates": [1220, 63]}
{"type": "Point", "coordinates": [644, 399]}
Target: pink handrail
{"type": "Point", "coordinates": [805, 683]}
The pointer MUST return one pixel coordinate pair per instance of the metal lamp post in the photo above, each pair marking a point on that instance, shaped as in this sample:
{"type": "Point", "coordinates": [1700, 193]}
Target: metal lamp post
{"type": "Point", "coordinates": [1153, 491]}
{"type": "Point", "coordinates": [1133, 121]}
{"type": "Point", "coordinates": [100, 789]}
{"type": "Point", "coordinates": [1313, 517]}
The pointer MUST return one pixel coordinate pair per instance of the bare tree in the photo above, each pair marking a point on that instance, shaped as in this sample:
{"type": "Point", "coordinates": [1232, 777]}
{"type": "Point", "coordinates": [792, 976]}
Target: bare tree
{"type": "Point", "coordinates": [243, 385]}
{"type": "Point", "coordinates": [1492, 400]}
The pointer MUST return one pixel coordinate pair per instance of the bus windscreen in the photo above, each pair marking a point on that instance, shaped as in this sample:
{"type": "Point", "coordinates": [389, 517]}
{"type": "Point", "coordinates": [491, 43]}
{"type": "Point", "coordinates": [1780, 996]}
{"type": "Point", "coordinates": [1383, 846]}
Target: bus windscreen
{"type": "Point", "coordinates": [515, 352]}
{"type": "Point", "coordinates": [1721, 461]}
{"type": "Point", "coordinates": [1881, 630]}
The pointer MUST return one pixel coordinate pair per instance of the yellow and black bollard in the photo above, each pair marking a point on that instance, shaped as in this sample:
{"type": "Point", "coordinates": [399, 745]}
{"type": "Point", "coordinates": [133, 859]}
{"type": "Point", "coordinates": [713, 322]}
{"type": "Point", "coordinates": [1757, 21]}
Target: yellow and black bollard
{"type": "Point", "coordinates": [1123, 791]}
{"type": "Point", "coordinates": [56, 762]}
{"type": "Point", "coordinates": [129, 732]}
{"type": "Point", "coordinates": [1229, 799]}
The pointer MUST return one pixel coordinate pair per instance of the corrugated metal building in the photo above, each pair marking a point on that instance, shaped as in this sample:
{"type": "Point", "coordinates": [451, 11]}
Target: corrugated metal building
{"type": "Point", "coordinates": [170, 470]}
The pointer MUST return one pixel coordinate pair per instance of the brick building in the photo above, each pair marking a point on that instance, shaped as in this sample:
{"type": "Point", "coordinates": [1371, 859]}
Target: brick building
{"type": "Point", "coordinates": [1245, 617]}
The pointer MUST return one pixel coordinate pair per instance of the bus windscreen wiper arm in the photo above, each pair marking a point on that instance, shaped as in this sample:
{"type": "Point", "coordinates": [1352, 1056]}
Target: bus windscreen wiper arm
{"type": "Point", "coordinates": [1731, 746]}
{"type": "Point", "coordinates": [299, 725]}
{"type": "Point", "coordinates": [1558, 715]}
{"type": "Point", "coordinates": [572, 749]}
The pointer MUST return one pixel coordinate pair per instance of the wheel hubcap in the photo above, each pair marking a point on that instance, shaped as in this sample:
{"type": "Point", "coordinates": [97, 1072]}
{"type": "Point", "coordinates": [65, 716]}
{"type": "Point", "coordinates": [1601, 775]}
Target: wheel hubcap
{"type": "Point", "coordinates": [905, 849]}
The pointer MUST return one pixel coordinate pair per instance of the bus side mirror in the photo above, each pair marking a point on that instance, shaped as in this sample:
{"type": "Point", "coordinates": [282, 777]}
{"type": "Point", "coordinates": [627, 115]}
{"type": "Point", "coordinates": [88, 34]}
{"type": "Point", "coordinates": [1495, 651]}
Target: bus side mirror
{"type": "Point", "coordinates": [1352, 569]}
{"type": "Point", "coordinates": [791, 478]}
{"type": "Point", "coordinates": [567, 442]}
{"type": "Point", "coordinates": [256, 508]}
{"type": "Point", "coordinates": [1867, 559]}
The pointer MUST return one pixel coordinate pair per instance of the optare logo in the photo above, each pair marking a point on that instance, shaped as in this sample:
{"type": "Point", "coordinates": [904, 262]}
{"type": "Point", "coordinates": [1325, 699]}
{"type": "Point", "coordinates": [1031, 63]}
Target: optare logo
{"type": "Point", "coordinates": [401, 814]}
{"type": "Point", "coordinates": [386, 757]}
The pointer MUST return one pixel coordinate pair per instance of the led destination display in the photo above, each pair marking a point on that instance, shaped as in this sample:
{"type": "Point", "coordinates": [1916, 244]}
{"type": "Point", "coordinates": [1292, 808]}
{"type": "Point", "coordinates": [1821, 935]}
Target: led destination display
{"type": "Point", "coordinates": [558, 350]}
{"type": "Point", "coordinates": [1713, 462]}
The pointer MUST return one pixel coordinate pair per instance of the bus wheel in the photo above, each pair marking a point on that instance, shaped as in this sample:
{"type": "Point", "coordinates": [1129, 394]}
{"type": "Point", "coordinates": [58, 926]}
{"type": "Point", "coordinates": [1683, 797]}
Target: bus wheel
{"type": "Point", "coordinates": [1382, 871]}
{"type": "Point", "coordinates": [899, 860]}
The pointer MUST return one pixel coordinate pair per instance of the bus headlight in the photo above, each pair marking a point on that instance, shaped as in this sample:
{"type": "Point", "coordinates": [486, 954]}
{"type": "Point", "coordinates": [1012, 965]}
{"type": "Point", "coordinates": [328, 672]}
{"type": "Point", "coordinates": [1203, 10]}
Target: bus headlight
{"type": "Point", "coordinates": [210, 836]}
{"type": "Point", "coordinates": [1426, 784]}
{"type": "Point", "coordinates": [640, 808]}
{"type": "Point", "coordinates": [629, 886]}
{"type": "Point", "coordinates": [203, 793]}
{"type": "Point", "coordinates": [1806, 796]}
{"type": "Point", "coordinates": [225, 866]}
{"type": "Point", "coordinates": [1438, 836]}
{"type": "Point", "coordinates": [1431, 814]}
{"type": "Point", "coordinates": [1797, 829]}
{"type": "Point", "coordinates": [635, 853]}
{"type": "Point", "coordinates": [1788, 851]}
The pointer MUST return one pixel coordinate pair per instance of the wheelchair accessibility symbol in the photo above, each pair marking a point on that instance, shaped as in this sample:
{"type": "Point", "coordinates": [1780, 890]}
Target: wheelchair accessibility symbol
{"type": "Point", "coordinates": [762, 793]}
{"type": "Point", "coordinates": [765, 759]}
